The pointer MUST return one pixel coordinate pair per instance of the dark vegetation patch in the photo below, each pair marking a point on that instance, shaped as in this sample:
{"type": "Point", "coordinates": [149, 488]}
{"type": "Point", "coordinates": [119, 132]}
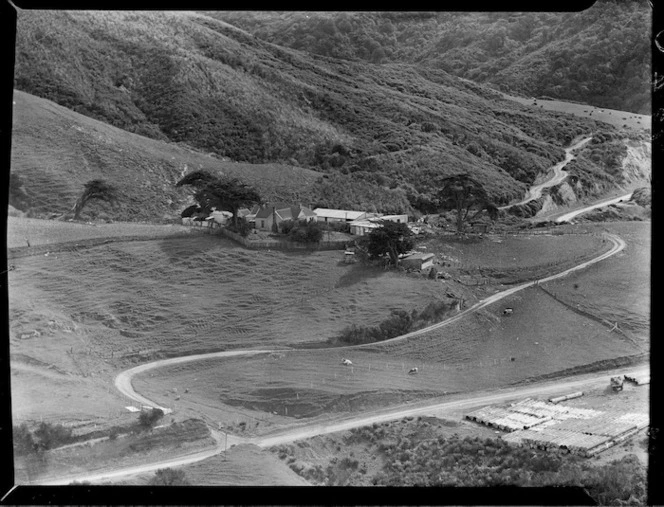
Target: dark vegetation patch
{"type": "Point", "coordinates": [383, 135]}
{"type": "Point", "coordinates": [399, 323]}
{"type": "Point", "coordinates": [561, 55]}
{"type": "Point", "coordinates": [420, 452]}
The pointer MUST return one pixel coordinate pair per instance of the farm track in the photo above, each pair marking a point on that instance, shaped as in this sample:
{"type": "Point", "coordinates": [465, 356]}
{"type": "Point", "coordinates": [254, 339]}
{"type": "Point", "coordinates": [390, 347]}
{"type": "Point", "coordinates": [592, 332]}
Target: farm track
{"type": "Point", "coordinates": [572, 214]}
{"type": "Point", "coordinates": [559, 174]}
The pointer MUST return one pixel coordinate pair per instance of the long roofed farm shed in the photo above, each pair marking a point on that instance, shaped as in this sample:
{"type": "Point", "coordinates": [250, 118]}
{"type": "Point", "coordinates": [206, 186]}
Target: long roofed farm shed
{"type": "Point", "coordinates": [339, 215]}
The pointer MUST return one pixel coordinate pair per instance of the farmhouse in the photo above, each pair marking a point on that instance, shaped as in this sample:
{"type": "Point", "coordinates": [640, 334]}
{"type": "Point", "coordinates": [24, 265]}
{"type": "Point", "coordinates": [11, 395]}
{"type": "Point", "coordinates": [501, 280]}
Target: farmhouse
{"type": "Point", "coordinates": [419, 261]}
{"type": "Point", "coordinates": [340, 215]}
{"type": "Point", "coordinates": [279, 212]}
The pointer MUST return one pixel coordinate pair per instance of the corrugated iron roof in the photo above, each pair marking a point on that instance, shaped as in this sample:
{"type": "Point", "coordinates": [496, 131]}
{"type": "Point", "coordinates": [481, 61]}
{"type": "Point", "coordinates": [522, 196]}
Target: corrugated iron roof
{"type": "Point", "coordinates": [339, 213]}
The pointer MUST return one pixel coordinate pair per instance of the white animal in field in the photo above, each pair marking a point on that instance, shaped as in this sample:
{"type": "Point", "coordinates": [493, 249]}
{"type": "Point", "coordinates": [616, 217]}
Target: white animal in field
{"type": "Point", "coordinates": [412, 371]}
{"type": "Point", "coordinates": [346, 362]}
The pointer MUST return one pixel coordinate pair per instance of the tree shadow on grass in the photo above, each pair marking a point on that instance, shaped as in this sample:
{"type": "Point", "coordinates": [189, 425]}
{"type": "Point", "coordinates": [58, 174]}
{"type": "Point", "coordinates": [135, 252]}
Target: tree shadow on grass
{"type": "Point", "coordinates": [181, 248]}
{"type": "Point", "coordinates": [358, 273]}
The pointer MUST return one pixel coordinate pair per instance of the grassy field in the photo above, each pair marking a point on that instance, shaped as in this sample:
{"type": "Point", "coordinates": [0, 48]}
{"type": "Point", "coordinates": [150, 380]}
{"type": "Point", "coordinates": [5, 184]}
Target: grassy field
{"type": "Point", "coordinates": [24, 232]}
{"type": "Point", "coordinates": [79, 317]}
{"type": "Point", "coordinates": [619, 119]}
{"type": "Point", "coordinates": [242, 465]}
{"type": "Point", "coordinates": [507, 252]}
{"type": "Point", "coordinates": [618, 289]}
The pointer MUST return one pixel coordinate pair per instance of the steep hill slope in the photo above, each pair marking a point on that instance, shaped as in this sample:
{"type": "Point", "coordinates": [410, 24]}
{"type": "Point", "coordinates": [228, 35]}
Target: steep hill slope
{"type": "Point", "coordinates": [55, 151]}
{"type": "Point", "coordinates": [599, 56]}
{"type": "Point", "coordinates": [190, 78]}
{"type": "Point", "coordinates": [383, 135]}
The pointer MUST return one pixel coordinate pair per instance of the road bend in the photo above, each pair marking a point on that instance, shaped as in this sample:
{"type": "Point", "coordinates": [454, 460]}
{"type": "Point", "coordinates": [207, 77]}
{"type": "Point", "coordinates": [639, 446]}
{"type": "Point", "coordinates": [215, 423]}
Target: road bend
{"type": "Point", "coordinates": [569, 216]}
{"type": "Point", "coordinates": [124, 385]}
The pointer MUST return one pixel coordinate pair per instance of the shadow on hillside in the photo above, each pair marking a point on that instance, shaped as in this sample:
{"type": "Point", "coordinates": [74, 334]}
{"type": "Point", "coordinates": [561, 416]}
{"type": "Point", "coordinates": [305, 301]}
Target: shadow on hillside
{"type": "Point", "coordinates": [358, 273]}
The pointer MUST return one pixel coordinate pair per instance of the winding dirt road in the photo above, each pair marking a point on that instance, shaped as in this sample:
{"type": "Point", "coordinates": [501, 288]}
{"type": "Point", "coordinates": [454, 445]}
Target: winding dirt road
{"type": "Point", "coordinates": [535, 192]}
{"type": "Point", "coordinates": [430, 407]}
{"type": "Point", "coordinates": [568, 216]}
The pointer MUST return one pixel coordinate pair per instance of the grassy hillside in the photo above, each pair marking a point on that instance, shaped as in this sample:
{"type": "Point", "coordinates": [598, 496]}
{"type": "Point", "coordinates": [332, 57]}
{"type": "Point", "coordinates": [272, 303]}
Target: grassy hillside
{"type": "Point", "coordinates": [384, 134]}
{"type": "Point", "coordinates": [599, 56]}
{"type": "Point", "coordinates": [55, 151]}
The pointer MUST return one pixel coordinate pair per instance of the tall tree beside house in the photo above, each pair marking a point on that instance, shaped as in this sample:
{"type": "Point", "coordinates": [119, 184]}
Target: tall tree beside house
{"type": "Point", "coordinates": [95, 189]}
{"type": "Point", "coordinates": [391, 238]}
{"type": "Point", "coordinates": [222, 193]}
{"type": "Point", "coordinates": [464, 194]}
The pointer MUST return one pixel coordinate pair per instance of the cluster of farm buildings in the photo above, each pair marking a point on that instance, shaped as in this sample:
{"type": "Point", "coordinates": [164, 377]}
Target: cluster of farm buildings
{"type": "Point", "coordinates": [264, 217]}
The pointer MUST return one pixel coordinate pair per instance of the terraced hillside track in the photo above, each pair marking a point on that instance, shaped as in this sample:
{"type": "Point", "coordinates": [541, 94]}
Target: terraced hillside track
{"type": "Point", "coordinates": [559, 174]}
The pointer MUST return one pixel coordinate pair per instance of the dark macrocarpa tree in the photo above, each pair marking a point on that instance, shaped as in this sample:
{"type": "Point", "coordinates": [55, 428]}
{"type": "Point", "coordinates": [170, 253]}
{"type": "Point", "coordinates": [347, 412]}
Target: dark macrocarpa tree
{"type": "Point", "coordinates": [95, 189]}
{"type": "Point", "coordinates": [391, 238]}
{"type": "Point", "coordinates": [222, 193]}
{"type": "Point", "coordinates": [464, 194]}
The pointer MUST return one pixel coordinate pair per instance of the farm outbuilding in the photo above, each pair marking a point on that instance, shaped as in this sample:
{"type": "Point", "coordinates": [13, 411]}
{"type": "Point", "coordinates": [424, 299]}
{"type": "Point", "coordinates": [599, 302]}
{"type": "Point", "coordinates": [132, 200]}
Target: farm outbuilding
{"type": "Point", "coordinates": [421, 261]}
{"type": "Point", "coordinates": [339, 215]}
{"type": "Point", "coordinates": [363, 227]}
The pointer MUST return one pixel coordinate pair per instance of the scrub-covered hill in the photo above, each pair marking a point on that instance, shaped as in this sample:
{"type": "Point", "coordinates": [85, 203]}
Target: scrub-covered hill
{"type": "Point", "coordinates": [383, 135]}
{"type": "Point", "coordinates": [599, 56]}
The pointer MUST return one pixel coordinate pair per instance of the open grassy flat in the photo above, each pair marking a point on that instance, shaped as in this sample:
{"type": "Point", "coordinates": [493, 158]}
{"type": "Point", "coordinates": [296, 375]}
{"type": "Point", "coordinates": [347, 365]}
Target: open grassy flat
{"type": "Point", "coordinates": [512, 251]}
{"type": "Point", "coordinates": [242, 465]}
{"type": "Point", "coordinates": [619, 119]}
{"type": "Point", "coordinates": [22, 232]}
